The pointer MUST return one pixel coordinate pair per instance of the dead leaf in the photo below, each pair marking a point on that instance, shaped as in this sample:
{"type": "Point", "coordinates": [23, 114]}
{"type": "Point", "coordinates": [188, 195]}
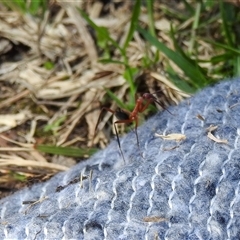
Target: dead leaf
{"type": "Point", "coordinates": [212, 137]}
{"type": "Point", "coordinates": [172, 136]}
{"type": "Point", "coordinates": [154, 219]}
{"type": "Point", "coordinates": [212, 128]}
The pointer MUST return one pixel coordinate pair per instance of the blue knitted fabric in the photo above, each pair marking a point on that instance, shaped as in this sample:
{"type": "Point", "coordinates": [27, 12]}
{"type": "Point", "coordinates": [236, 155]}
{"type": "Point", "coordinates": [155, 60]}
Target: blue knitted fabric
{"type": "Point", "coordinates": [166, 190]}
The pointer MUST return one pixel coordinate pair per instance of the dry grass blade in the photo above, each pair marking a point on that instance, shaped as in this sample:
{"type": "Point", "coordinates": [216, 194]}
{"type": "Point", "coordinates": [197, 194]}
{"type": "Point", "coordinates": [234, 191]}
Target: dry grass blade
{"type": "Point", "coordinates": [9, 121]}
{"type": "Point", "coordinates": [17, 161]}
{"type": "Point", "coordinates": [81, 27]}
{"type": "Point", "coordinates": [13, 99]}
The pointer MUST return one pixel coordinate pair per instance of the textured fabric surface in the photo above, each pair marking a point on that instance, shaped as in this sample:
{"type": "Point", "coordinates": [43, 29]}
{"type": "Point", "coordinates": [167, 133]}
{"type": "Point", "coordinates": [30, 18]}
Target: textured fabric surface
{"type": "Point", "coordinates": [177, 190]}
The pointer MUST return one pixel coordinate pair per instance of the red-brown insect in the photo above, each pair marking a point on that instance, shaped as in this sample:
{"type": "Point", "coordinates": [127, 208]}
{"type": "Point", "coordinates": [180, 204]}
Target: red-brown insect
{"type": "Point", "coordinates": [125, 116]}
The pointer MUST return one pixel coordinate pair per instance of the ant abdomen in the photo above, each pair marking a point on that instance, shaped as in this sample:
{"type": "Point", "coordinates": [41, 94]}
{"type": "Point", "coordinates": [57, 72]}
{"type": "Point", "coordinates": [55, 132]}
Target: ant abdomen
{"type": "Point", "coordinates": [121, 114]}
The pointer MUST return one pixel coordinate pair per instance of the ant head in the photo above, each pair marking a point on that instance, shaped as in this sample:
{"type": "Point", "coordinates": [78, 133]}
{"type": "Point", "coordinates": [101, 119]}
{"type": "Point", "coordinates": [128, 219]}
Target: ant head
{"type": "Point", "coordinates": [152, 98]}
{"type": "Point", "coordinates": [148, 96]}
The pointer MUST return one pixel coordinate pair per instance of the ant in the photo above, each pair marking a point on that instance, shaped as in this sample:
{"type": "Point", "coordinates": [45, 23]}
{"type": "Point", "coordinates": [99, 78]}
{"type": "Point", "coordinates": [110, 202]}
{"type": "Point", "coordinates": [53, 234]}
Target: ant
{"type": "Point", "coordinates": [127, 117]}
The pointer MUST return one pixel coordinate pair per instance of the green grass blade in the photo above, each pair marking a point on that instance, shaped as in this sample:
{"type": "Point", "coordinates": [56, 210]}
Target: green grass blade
{"type": "Point", "coordinates": [129, 71]}
{"type": "Point", "coordinates": [150, 17]}
{"type": "Point", "coordinates": [188, 6]}
{"type": "Point", "coordinates": [134, 23]}
{"type": "Point", "coordinates": [101, 31]}
{"type": "Point", "coordinates": [66, 151]}
{"type": "Point", "coordinates": [18, 176]}
{"type": "Point", "coordinates": [179, 82]}
{"type": "Point", "coordinates": [17, 5]}
{"type": "Point", "coordinates": [222, 58]}
{"type": "Point", "coordinates": [194, 27]}
{"type": "Point", "coordinates": [192, 71]}
{"type": "Point", "coordinates": [55, 125]}
{"type": "Point", "coordinates": [237, 67]}
{"type": "Point", "coordinates": [129, 74]}
{"type": "Point", "coordinates": [183, 54]}
{"type": "Point", "coordinates": [224, 46]}
{"type": "Point", "coordinates": [226, 28]}
{"type": "Point", "coordinates": [103, 34]}
{"type": "Point", "coordinates": [108, 60]}
{"type": "Point", "coordinates": [34, 6]}
{"type": "Point", "coordinates": [116, 99]}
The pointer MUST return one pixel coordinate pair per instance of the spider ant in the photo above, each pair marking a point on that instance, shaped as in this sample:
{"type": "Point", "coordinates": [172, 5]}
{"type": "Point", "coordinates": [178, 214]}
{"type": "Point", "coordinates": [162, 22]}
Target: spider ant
{"type": "Point", "coordinates": [125, 116]}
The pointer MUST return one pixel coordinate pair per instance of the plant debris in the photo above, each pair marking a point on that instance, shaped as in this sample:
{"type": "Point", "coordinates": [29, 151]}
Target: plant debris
{"type": "Point", "coordinates": [211, 129]}
{"type": "Point", "coordinates": [154, 219]}
{"type": "Point", "coordinates": [173, 136]}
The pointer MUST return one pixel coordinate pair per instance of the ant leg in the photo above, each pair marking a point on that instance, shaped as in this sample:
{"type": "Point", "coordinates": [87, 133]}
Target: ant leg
{"type": "Point", "coordinates": [135, 129]}
{"type": "Point", "coordinates": [150, 98]}
{"type": "Point", "coordinates": [143, 107]}
{"type": "Point", "coordinates": [136, 126]}
{"type": "Point", "coordinates": [162, 106]}
{"type": "Point", "coordinates": [118, 140]}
